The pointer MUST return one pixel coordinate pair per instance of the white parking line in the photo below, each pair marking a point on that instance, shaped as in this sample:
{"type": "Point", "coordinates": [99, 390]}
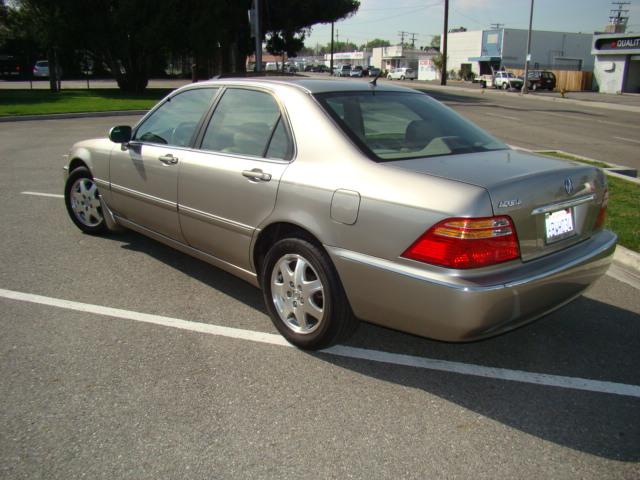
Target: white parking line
{"type": "Point", "coordinates": [40, 194]}
{"type": "Point", "coordinates": [628, 139]}
{"type": "Point", "coordinates": [342, 351]}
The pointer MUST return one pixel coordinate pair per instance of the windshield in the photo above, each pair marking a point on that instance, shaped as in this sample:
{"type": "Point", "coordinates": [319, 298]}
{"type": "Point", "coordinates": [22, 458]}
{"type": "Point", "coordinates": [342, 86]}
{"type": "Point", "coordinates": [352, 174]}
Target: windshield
{"type": "Point", "coordinates": [397, 126]}
{"type": "Point", "coordinates": [510, 75]}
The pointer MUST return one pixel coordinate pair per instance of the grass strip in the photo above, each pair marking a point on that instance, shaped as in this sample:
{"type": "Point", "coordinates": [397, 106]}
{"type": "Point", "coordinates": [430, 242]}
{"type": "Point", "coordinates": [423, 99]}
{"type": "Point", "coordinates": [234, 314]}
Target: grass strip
{"type": "Point", "coordinates": [623, 213]}
{"type": "Point", "coordinates": [41, 102]}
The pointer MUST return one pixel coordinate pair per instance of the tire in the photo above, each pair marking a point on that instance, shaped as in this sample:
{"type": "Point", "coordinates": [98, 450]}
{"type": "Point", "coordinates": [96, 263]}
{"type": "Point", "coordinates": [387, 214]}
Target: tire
{"type": "Point", "coordinates": [534, 87]}
{"type": "Point", "coordinates": [389, 77]}
{"type": "Point", "coordinates": [401, 77]}
{"type": "Point", "coordinates": [82, 200]}
{"type": "Point", "coordinates": [304, 296]}
{"type": "Point", "coordinates": [505, 86]}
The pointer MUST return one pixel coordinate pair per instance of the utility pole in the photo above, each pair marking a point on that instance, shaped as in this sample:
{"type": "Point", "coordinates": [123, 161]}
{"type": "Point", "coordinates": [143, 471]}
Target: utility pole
{"type": "Point", "coordinates": [413, 40]}
{"type": "Point", "coordinates": [331, 61]}
{"type": "Point", "coordinates": [525, 87]}
{"type": "Point", "coordinates": [496, 26]}
{"type": "Point", "coordinates": [258, 37]}
{"type": "Point", "coordinates": [444, 41]}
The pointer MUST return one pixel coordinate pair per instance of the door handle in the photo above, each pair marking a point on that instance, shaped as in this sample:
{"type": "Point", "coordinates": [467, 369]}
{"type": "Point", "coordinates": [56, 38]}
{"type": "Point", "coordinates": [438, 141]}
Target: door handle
{"type": "Point", "coordinates": [256, 174]}
{"type": "Point", "coordinates": [168, 159]}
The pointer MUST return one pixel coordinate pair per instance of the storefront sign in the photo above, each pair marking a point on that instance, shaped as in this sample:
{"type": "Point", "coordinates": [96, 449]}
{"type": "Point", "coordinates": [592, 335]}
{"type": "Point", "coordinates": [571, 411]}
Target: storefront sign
{"type": "Point", "coordinates": [629, 43]}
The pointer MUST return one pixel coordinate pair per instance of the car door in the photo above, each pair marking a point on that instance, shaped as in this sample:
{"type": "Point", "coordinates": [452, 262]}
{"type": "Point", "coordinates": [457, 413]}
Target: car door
{"type": "Point", "coordinates": [144, 172]}
{"type": "Point", "coordinates": [228, 188]}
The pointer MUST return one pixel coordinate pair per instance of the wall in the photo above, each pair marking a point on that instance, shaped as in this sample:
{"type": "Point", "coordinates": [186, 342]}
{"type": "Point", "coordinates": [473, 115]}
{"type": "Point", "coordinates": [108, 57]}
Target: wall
{"type": "Point", "coordinates": [609, 72]}
{"type": "Point", "coordinates": [463, 45]}
{"type": "Point", "coordinates": [548, 49]}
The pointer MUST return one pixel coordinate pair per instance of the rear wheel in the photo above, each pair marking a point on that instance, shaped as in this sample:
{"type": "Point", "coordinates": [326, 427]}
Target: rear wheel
{"type": "Point", "coordinates": [82, 200]}
{"type": "Point", "coordinates": [304, 295]}
{"type": "Point", "coordinates": [402, 77]}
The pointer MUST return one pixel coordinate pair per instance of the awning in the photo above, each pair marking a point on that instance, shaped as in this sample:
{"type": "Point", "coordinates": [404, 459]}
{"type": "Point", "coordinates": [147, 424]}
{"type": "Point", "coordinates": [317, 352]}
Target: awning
{"type": "Point", "coordinates": [485, 58]}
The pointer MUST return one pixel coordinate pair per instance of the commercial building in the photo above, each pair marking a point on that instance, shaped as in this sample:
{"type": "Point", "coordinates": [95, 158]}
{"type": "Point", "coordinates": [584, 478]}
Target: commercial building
{"type": "Point", "coordinates": [480, 50]}
{"type": "Point", "coordinates": [617, 62]}
{"type": "Point", "coordinates": [362, 58]}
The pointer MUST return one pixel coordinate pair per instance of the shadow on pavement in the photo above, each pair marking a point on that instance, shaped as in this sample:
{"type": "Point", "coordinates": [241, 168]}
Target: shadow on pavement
{"type": "Point", "coordinates": [586, 339]}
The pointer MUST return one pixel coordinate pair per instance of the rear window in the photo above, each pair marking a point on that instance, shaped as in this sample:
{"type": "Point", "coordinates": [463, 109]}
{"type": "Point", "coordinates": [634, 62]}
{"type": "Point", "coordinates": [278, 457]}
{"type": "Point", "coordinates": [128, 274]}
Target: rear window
{"type": "Point", "coordinates": [397, 126]}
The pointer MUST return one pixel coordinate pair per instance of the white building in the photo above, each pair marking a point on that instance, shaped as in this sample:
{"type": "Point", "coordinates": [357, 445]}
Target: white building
{"type": "Point", "coordinates": [352, 58]}
{"type": "Point", "coordinates": [399, 56]}
{"type": "Point", "coordinates": [478, 51]}
{"type": "Point", "coordinates": [617, 62]}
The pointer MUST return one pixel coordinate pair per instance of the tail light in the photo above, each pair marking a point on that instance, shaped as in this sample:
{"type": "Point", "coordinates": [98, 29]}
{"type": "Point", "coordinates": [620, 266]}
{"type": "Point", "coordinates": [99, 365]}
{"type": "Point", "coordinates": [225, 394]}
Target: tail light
{"type": "Point", "coordinates": [467, 243]}
{"type": "Point", "coordinates": [602, 214]}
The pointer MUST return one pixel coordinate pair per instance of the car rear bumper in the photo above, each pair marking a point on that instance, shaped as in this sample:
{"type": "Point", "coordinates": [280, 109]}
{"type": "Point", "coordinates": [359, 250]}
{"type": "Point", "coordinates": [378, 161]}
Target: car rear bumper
{"type": "Point", "coordinates": [458, 306]}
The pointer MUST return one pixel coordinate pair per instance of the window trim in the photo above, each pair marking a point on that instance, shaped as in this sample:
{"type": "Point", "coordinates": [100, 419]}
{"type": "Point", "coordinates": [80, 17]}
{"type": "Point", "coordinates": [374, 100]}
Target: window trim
{"type": "Point", "coordinates": [283, 117]}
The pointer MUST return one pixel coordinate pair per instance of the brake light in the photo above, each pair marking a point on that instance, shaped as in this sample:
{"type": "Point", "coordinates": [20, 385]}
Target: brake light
{"type": "Point", "coordinates": [602, 214]}
{"type": "Point", "coordinates": [467, 243]}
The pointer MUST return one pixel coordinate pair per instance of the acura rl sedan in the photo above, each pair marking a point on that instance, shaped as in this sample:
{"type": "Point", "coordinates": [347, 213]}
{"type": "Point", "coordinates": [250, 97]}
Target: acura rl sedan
{"type": "Point", "coordinates": [347, 201]}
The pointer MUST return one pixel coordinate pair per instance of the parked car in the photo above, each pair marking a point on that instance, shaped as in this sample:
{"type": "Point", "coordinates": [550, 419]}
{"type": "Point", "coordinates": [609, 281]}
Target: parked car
{"type": "Point", "coordinates": [345, 201]}
{"type": "Point", "coordinates": [357, 71]}
{"type": "Point", "coordinates": [541, 80]}
{"type": "Point", "coordinates": [41, 69]}
{"type": "Point", "coordinates": [401, 74]}
{"type": "Point", "coordinates": [10, 67]}
{"type": "Point", "coordinates": [344, 70]}
{"type": "Point", "coordinates": [506, 80]}
{"type": "Point", "coordinates": [374, 71]}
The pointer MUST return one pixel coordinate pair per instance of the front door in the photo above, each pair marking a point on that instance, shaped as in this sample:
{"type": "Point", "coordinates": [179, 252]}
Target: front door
{"type": "Point", "coordinates": [229, 188]}
{"type": "Point", "coordinates": [144, 173]}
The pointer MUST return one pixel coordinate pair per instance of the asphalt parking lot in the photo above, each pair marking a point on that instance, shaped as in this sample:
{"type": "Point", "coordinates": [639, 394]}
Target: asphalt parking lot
{"type": "Point", "coordinates": [121, 358]}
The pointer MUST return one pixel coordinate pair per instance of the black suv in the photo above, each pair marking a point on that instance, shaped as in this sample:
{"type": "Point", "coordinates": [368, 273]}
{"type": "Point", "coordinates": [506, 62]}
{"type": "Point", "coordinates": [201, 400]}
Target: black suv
{"type": "Point", "coordinates": [541, 79]}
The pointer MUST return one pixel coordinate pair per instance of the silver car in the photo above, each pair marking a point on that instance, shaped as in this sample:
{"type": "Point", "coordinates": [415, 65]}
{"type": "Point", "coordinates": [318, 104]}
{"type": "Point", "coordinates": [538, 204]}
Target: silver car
{"type": "Point", "coordinates": [350, 200]}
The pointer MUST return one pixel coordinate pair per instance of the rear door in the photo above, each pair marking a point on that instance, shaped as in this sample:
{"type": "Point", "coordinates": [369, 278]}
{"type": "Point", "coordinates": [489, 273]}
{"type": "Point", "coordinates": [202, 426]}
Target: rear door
{"type": "Point", "coordinates": [228, 188]}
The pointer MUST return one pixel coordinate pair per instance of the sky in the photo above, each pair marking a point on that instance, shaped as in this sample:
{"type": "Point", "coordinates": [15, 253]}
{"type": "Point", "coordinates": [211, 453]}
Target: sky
{"type": "Point", "coordinates": [385, 18]}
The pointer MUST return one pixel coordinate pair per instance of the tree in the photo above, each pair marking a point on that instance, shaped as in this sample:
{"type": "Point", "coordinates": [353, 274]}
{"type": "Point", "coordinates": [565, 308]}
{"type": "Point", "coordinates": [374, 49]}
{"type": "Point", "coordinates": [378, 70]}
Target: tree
{"type": "Point", "coordinates": [435, 41]}
{"type": "Point", "coordinates": [377, 42]}
{"type": "Point", "coordinates": [285, 43]}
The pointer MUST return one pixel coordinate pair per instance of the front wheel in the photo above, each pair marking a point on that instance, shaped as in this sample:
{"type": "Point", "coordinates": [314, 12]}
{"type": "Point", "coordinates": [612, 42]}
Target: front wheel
{"type": "Point", "coordinates": [82, 200]}
{"type": "Point", "coordinates": [304, 296]}
{"type": "Point", "coordinates": [505, 86]}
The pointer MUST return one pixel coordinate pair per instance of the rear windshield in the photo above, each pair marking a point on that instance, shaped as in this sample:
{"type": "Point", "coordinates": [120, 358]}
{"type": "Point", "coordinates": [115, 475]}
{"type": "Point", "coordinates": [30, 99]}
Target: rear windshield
{"type": "Point", "coordinates": [391, 126]}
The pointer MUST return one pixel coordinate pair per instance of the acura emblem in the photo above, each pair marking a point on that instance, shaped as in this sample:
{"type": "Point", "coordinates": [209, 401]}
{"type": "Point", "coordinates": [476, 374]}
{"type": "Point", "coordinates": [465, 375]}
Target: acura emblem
{"type": "Point", "coordinates": [568, 186]}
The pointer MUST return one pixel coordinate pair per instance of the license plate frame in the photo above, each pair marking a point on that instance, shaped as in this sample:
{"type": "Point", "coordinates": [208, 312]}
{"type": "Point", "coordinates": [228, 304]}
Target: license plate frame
{"type": "Point", "coordinates": [559, 225]}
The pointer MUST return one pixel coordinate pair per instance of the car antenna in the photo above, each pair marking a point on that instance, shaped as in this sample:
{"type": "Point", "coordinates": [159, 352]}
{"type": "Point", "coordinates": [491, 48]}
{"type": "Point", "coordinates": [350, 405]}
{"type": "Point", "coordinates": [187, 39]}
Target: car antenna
{"type": "Point", "coordinates": [374, 82]}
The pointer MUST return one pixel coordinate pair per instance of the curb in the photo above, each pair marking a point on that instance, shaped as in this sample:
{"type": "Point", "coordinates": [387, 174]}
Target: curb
{"type": "Point", "coordinates": [62, 116]}
{"type": "Point", "coordinates": [533, 96]}
{"type": "Point", "coordinates": [626, 257]}
{"type": "Point", "coordinates": [614, 169]}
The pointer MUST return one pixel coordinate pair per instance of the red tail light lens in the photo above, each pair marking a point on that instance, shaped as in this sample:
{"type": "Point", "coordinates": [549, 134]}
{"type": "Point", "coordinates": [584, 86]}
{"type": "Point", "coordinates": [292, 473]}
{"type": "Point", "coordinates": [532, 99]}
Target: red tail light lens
{"type": "Point", "coordinates": [602, 214]}
{"type": "Point", "coordinates": [467, 243]}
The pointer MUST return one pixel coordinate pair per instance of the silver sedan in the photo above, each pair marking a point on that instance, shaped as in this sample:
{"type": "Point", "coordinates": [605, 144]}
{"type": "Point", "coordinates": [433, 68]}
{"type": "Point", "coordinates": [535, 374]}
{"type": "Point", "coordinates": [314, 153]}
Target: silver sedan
{"type": "Point", "coordinates": [346, 200]}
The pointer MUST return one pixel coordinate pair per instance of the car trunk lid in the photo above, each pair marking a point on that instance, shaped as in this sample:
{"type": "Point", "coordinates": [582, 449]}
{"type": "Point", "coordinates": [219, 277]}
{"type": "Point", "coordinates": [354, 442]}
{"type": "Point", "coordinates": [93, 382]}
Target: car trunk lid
{"type": "Point", "coordinates": [553, 203]}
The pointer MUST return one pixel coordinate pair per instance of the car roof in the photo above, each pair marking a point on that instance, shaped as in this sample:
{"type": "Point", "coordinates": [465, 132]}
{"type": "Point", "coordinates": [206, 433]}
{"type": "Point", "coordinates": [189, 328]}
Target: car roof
{"type": "Point", "coordinates": [309, 85]}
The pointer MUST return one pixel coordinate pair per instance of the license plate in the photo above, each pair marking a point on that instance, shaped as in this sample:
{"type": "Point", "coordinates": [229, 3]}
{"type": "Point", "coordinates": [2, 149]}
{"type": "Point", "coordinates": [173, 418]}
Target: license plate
{"type": "Point", "coordinates": [559, 225]}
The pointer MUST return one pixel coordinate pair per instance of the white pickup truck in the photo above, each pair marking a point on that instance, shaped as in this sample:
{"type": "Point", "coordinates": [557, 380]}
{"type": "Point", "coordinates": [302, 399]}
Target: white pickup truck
{"type": "Point", "coordinates": [501, 79]}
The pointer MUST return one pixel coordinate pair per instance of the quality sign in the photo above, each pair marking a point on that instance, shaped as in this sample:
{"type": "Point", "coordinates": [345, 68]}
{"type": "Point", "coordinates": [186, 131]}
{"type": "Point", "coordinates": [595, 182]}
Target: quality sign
{"type": "Point", "coordinates": [629, 43]}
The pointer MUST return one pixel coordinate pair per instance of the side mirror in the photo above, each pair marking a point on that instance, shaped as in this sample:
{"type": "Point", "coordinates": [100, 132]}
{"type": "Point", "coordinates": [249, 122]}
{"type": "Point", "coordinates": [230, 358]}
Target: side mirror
{"type": "Point", "coordinates": [121, 134]}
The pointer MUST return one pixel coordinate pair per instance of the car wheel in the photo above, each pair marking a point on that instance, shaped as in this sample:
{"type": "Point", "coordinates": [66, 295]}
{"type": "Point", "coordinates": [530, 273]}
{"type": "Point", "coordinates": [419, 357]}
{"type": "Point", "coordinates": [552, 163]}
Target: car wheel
{"type": "Point", "coordinates": [82, 200]}
{"type": "Point", "coordinates": [505, 86]}
{"type": "Point", "coordinates": [389, 77]}
{"type": "Point", "coordinates": [534, 87]}
{"type": "Point", "coordinates": [401, 77]}
{"type": "Point", "coordinates": [304, 296]}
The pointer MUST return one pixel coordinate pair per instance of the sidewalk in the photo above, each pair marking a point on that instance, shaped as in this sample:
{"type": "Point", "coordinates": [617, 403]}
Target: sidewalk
{"type": "Point", "coordinates": [629, 102]}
